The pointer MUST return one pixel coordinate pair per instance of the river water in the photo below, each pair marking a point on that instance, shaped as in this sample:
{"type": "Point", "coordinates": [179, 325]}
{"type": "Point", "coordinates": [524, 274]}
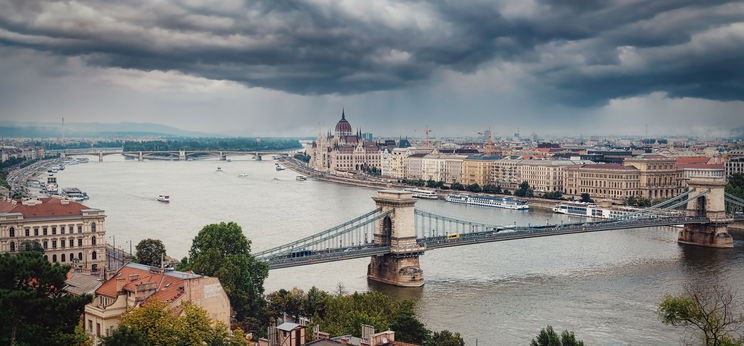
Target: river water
{"type": "Point", "coordinates": [604, 286]}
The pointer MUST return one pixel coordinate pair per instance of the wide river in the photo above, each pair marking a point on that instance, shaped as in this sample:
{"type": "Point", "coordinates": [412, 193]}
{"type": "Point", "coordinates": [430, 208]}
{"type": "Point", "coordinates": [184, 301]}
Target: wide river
{"type": "Point", "coordinates": [604, 286]}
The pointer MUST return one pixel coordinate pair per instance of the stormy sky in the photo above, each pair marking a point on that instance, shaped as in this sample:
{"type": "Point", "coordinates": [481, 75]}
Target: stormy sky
{"type": "Point", "coordinates": [280, 67]}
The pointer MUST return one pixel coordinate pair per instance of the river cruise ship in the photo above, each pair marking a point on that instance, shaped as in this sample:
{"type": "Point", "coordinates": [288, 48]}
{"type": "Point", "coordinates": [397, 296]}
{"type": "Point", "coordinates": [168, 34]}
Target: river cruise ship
{"type": "Point", "coordinates": [486, 201]}
{"type": "Point", "coordinates": [424, 194]}
{"type": "Point", "coordinates": [591, 210]}
{"type": "Point", "coordinates": [74, 194]}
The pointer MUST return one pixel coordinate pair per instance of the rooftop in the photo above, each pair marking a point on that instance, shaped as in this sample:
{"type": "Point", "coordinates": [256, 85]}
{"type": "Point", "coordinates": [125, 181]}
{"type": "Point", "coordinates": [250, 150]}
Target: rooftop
{"type": "Point", "coordinates": [167, 286]}
{"type": "Point", "coordinates": [49, 207]}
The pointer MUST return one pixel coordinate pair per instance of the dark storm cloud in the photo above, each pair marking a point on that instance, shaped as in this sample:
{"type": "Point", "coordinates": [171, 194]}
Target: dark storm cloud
{"type": "Point", "coordinates": [580, 52]}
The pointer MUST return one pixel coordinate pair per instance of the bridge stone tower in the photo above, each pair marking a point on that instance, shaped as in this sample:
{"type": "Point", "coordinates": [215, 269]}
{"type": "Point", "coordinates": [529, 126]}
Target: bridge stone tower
{"type": "Point", "coordinates": [712, 205]}
{"type": "Point", "coordinates": [401, 266]}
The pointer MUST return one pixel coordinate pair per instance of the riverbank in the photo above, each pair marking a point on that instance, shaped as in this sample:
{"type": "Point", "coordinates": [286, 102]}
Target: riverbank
{"type": "Point", "coordinates": [300, 167]}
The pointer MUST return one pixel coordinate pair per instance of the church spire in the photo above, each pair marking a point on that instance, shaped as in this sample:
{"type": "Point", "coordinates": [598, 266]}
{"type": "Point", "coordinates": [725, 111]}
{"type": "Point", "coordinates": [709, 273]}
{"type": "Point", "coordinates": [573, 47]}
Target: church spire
{"type": "Point", "coordinates": [343, 114]}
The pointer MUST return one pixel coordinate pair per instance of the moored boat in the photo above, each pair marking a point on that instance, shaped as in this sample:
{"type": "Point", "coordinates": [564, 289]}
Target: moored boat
{"type": "Point", "coordinates": [423, 194]}
{"type": "Point", "coordinates": [487, 201]}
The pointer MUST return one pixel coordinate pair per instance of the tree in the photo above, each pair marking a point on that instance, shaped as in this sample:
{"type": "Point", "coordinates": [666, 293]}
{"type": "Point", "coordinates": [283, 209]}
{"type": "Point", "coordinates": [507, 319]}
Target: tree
{"type": "Point", "coordinates": [473, 188]}
{"type": "Point", "coordinates": [524, 190]}
{"type": "Point", "coordinates": [35, 309]}
{"type": "Point", "coordinates": [289, 302]}
{"type": "Point", "coordinates": [457, 186]}
{"type": "Point", "coordinates": [490, 188]}
{"type": "Point", "coordinates": [548, 337]}
{"type": "Point", "coordinates": [150, 252]}
{"type": "Point", "coordinates": [444, 338]}
{"type": "Point", "coordinates": [408, 328]}
{"type": "Point", "coordinates": [553, 195]}
{"type": "Point", "coordinates": [735, 185]}
{"type": "Point", "coordinates": [154, 323]}
{"type": "Point", "coordinates": [221, 250]}
{"type": "Point", "coordinates": [586, 198]}
{"type": "Point", "coordinates": [711, 309]}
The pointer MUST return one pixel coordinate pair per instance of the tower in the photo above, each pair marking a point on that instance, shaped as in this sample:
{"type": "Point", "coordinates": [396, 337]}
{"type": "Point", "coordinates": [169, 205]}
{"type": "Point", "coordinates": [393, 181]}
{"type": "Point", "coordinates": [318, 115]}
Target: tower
{"type": "Point", "coordinates": [401, 266]}
{"type": "Point", "coordinates": [714, 233]}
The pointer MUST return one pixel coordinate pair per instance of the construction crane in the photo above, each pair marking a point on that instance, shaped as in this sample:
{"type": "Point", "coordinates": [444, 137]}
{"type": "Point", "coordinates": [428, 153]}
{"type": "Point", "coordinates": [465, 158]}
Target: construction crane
{"type": "Point", "coordinates": [490, 146]}
{"type": "Point", "coordinates": [426, 131]}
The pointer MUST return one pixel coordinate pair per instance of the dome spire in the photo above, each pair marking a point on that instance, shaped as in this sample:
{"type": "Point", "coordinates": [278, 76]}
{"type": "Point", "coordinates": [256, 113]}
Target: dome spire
{"type": "Point", "coordinates": [343, 114]}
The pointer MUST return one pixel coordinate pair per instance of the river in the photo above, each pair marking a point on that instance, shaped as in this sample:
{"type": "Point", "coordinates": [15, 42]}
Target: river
{"type": "Point", "coordinates": [604, 286]}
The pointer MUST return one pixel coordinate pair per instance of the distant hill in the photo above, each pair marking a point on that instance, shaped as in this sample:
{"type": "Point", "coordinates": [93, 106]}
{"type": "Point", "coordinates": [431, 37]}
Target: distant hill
{"type": "Point", "coordinates": [107, 130]}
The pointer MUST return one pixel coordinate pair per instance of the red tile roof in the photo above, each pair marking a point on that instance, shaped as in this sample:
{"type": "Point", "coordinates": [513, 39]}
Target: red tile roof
{"type": "Point", "coordinates": [700, 165]}
{"type": "Point", "coordinates": [692, 160]}
{"type": "Point", "coordinates": [168, 288]}
{"type": "Point", "coordinates": [615, 166]}
{"type": "Point", "coordinates": [49, 207]}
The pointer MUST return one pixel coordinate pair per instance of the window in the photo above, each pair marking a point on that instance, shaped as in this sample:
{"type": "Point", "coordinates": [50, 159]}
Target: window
{"type": "Point", "coordinates": [80, 242]}
{"type": "Point", "coordinates": [93, 240]}
{"type": "Point", "coordinates": [93, 227]}
{"type": "Point", "coordinates": [46, 258]}
{"type": "Point", "coordinates": [80, 228]}
{"type": "Point", "coordinates": [80, 256]}
{"type": "Point", "coordinates": [36, 231]}
{"type": "Point", "coordinates": [72, 257]}
{"type": "Point", "coordinates": [61, 229]}
{"type": "Point", "coordinates": [62, 242]}
{"type": "Point", "coordinates": [12, 247]}
{"type": "Point", "coordinates": [11, 232]}
{"type": "Point", "coordinates": [54, 244]}
{"type": "Point", "coordinates": [54, 258]}
{"type": "Point", "coordinates": [72, 242]}
{"type": "Point", "coordinates": [90, 325]}
{"type": "Point", "coordinates": [28, 232]}
{"type": "Point", "coordinates": [54, 230]}
{"type": "Point", "coordinates": [44, 231]}
{"type": "Point", "coordinates": [46, 243]}
{"type": "Point", "coordinates": [93, 255]}
{"type": "Point", "coordinates": [62, 258]}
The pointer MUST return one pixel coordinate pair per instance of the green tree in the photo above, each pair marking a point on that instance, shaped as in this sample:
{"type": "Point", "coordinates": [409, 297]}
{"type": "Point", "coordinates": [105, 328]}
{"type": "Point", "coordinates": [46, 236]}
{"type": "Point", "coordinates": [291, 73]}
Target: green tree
{"type": "Point", "coordinates": [473, 188]}
{"type": "Point", "coordinates": [548, 337]}
{"type": "Point", "coordinates": [124, 336]}
{"type": "Point", "coordinates": [735, 185]}
{"type": "Point", "coordinates": [586, 198]}
{"type": "Point", "coordinates": [490, 188]}
{"type": "Point", "coordinates": [524, 190]}
{"type": "Point", "coordinates": [457, 186]}
{"type": "Point", "coordinates": [221, 250]}
{"type": "Point", "coordinates": [289, 302]}
{"type": "Point", "coordinates": [35, 310]}
{"type": "Point", "coordinates": [711, 309]}
{"type": "Point", "coordinates": [154, 323]}
{"type": "Point", "coordinates": [408, 328]}
{"type": "Point", "coordinates": [314, 302]}
{"type": "Point", "coordinates": [150, 252]}
{"type": "Point", "coordinates": [553, 195]}
{"type": "Point", "coordinates": [444, 338]}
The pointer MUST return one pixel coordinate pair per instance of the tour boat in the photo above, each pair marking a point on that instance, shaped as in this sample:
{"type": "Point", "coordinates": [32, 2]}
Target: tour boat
{"type": "Point", "coordinates": [164, 198]}
{"type": "Point", "coordinates": [301, 178]}
{"type": "Point", "coordinates": [74, 194]}
{"type": "Point", "coordinates": [219, 169]}
{"type": "Point", "coordinates": [279, 168]}
{"type": "Point", "coordinates": [486, 201]}
{"type": "Point", "coordinates": [591, 210]}
{"type": "Point", "coordinates": [423, 194]}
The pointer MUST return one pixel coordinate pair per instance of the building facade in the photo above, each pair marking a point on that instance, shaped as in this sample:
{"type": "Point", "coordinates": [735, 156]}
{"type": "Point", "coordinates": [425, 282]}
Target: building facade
{"type": "Point", "coordinates": [343, 151]}
{"type": "Point", "coordinates": [734, 165]}
{"type": "Point", "coordinates": [658, 176]}
{"type": "Point", "coordinates": [69, 232]}
{"type": "Point", "coordinates": [134, 284]}
{"type": "Point", "coordinates": [478, 169]}
{"type": "Point", "coordinates": [606, 181]}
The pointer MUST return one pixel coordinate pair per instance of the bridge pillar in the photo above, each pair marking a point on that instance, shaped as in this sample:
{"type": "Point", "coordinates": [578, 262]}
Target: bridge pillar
{"type": "Point", "coordinates": [100, 156]}
{"type": "Point", "coordinates": [712, 205]}
{"type": "Point", "coordinates": [401, 266]}
{"type": "Point", "coordinates": [258, 157]}
{"type": "Point", "coordinates": [182, 155]}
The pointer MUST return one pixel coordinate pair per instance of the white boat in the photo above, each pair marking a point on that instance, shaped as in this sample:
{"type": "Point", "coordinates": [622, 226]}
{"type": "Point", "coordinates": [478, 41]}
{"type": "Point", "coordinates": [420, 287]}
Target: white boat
{"type": "Point", "coordinates": [486, 201]}
{"type": "Point", "coordinates": [301, 178]}
{"type": "Point", "coordinates": [74, 194]}
{"type": "Point", "coordinates": [424, 194]}
{"type": "Point", "coordinates": [219, 169]}
{"type": "Point", "coordinates": [591, 210]}
{"type": "Point", "coordinates": [280, 168]}
{"type": "Point", "coordinates": [242, 175]}
{"type": "Point", "coordinates": [164, 198]}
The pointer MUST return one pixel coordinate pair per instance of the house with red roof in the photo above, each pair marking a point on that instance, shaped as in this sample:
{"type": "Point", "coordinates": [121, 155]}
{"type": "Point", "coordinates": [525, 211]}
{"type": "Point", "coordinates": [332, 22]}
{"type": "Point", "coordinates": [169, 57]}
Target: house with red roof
{"type": "Point", "coordinates": [134, 284]}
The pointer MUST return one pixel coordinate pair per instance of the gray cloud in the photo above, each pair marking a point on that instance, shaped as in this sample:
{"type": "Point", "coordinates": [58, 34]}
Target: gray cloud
{"type": "Point", "coordinates": [577, 52]}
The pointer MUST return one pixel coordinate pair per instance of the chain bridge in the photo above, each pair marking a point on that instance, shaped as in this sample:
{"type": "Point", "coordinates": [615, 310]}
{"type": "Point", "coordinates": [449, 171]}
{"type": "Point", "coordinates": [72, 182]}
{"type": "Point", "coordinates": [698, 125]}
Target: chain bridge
{"type": "Point", "coordinates": [395, 234]}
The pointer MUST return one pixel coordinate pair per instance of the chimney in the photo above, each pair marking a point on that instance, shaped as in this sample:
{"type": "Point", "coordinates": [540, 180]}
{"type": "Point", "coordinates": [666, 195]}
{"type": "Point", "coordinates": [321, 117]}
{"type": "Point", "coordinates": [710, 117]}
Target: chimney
{"type": "Point", "coordinates": [120, 282]}
{"type": "Point", "coordinates": [133, 277]}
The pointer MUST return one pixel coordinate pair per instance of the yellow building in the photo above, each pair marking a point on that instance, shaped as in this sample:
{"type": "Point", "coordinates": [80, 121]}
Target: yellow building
{"type": "Point", "coordinates": [69, 232]}
{"type": "Point", "coordinates": [658, 177]}
{"type": "Point", "coordinates": [607, 181]}
{"type": "Point", "coordinates": [478, 170]}
{"type": "Point", "coordinates": [133, 284]}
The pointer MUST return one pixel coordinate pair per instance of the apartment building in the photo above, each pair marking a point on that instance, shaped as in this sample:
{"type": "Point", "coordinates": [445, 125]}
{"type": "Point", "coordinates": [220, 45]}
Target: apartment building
{"type": "Point", "coordinates": [69, 232]}
{"type": "Point", "coordinates": [605, 181]}
{"type": "Point", "coordinates": [478, 169]}
{"type": "Point", "coordinates": [658, 176]}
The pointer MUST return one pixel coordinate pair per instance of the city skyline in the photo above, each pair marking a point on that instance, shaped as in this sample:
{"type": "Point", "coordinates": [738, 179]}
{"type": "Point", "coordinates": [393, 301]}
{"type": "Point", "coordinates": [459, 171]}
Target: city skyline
{"type": "Point", "coordinates": [287, 69]}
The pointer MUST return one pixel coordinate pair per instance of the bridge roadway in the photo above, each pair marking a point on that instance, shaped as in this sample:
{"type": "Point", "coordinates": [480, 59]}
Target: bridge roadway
{"type": "Point", "coordinates": [494, 235]}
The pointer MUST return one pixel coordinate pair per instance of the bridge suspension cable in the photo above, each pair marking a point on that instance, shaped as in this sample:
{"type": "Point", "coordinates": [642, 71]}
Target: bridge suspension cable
{"type": "Point", "coordinates": [433, 225]}
{"type": "Point", "coordinates": [641, 212]}
{"type": "Point", "coordinates": [356, 232]}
